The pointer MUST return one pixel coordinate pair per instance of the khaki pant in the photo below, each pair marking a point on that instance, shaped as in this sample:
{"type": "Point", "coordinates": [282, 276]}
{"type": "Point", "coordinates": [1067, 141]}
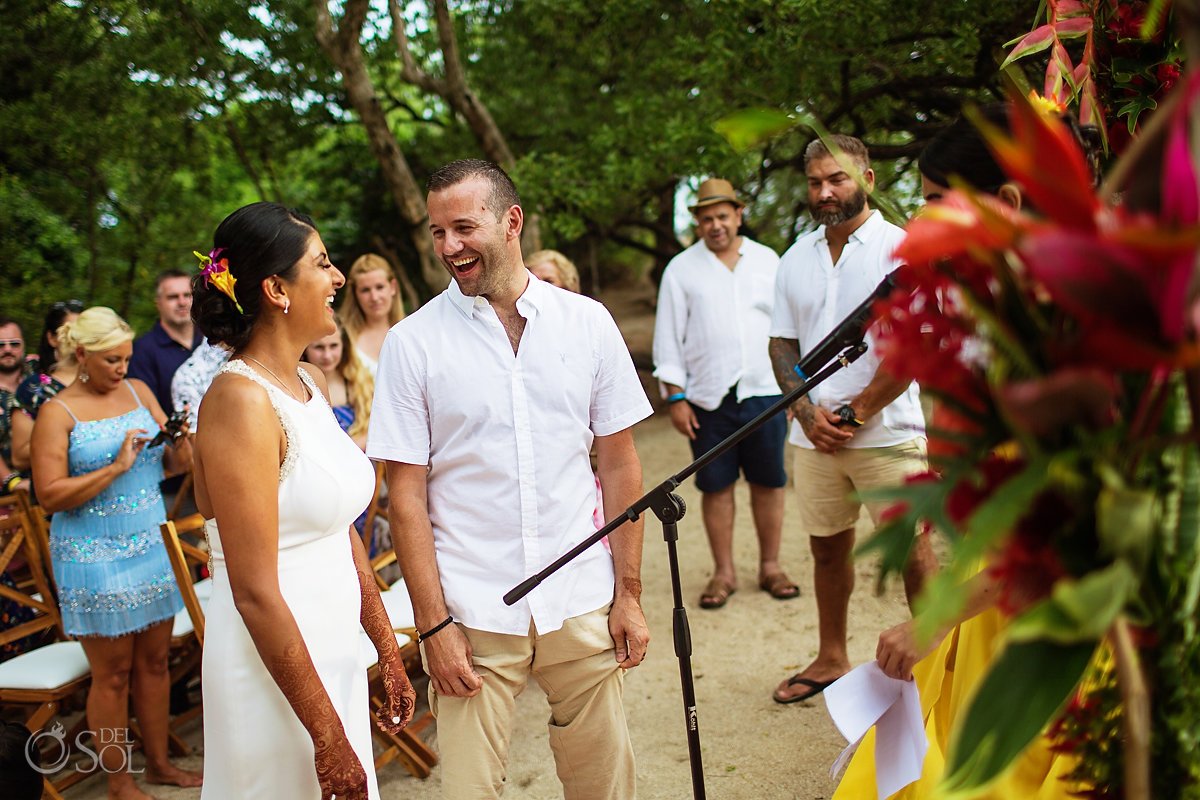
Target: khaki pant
{"type": "Point", "coordinates": [577, 669]}
{"type": "Point", "coordinates": [826, 483]}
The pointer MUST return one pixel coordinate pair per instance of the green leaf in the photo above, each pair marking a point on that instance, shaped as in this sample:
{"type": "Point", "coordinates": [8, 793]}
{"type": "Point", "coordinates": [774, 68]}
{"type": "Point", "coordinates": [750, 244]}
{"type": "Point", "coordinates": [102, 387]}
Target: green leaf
{"type": "Point", "coordinates": [1125, 521]}
{"type": "Point", "coordinates": [1026, 685]}
{"type": "Point", "coordinates": [1030, 43]}
{"type": "Point", "coordinates": [1078, 611]}
{"type": "Point", "coordinates": [753, 126]}
{"type": "Point", "coordinates": [998, 514]}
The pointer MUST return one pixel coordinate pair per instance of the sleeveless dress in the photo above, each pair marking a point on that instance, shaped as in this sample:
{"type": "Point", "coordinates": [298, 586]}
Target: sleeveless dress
{"type": "Point", "coordinates": [947, 679]}
{"type": "Point", "coordinates": [254, 745]}
{"type": "Point", "coordinates": [108, 555]}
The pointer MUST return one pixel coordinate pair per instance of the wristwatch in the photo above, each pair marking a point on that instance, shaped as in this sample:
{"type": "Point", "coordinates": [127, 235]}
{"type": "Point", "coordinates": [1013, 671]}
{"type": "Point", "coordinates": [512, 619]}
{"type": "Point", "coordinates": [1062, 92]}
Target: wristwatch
{"type": "Point", "coordinates": [846, 416]}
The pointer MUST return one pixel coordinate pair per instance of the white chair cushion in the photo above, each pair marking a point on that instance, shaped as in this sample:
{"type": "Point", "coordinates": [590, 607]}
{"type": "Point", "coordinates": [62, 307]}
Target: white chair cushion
{"type": "Point", "coordinates": [398, 606]}
{"type": "Point", "coordinates": [182, 625]}
{"type": "Point", "coordinates": [366, 648]}
{"type": "Point", "coordinates": [204, 590]}
{"type": "Point", "coordinates": [46, 667]}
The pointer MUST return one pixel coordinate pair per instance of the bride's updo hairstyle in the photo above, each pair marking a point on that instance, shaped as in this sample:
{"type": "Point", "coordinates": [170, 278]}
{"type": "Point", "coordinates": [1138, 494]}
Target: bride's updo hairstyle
{"type": "Point", "coordinates": [257, 241]}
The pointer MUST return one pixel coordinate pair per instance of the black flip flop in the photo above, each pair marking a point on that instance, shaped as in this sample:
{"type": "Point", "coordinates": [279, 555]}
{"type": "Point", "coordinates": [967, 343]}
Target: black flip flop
{"type": "Point", "coordinates": [815, 688]}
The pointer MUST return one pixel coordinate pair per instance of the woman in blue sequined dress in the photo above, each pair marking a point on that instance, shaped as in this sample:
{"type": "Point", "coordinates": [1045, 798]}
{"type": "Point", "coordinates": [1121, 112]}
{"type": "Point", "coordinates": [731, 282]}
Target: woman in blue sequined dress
{"type": "Point", "coordinates": [94, 471]}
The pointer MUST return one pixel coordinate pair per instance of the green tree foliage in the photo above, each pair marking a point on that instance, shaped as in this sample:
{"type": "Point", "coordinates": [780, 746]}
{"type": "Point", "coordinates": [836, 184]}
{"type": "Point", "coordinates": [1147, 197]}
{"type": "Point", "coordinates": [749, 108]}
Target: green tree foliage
{"type": "Point", "coordinates": [136, 125]}
{"type": "Point", "coordinates": [611, 105]}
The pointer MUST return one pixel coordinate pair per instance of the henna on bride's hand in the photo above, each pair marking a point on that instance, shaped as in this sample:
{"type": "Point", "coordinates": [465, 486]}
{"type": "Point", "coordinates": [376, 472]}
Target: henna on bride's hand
{"type": "Point", "coordinates": [401, 699]}
{"type": "Point", "coordinates": [339, 776]}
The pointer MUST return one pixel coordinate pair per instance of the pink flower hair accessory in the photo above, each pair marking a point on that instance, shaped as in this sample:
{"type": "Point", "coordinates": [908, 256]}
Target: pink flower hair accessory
{"type": "Point", "coordinates": [216, 272]}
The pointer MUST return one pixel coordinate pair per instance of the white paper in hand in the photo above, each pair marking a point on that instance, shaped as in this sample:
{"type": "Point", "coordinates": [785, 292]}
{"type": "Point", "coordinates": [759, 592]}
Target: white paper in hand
{"type": "Point", "coordinates": [866, 697]}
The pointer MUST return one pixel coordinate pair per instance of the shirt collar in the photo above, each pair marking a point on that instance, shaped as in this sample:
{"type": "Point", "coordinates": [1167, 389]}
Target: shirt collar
{"type": "Point", "coordinates": [163, 339]}
{"type": "Point", "coordinates": [862, 232]}
{"type": "Point", "coordinates": [530, 300]}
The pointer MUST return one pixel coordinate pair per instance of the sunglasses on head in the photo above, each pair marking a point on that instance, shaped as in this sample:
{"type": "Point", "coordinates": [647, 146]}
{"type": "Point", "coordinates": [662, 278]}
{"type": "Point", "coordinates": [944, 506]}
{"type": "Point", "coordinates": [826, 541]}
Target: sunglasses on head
{"type": "Point", "coordinates": [74, 306]}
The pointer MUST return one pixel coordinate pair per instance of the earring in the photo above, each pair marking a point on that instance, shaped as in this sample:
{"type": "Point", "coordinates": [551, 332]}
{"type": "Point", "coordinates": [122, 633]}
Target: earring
{"type": "Point", "coordinates": [286, 305]}
{"type": "Point", "coordinates": [83, 375]}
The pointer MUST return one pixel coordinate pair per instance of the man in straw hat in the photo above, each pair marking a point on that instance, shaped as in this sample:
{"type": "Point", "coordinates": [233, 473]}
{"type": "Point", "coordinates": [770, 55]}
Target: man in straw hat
{"type": "Point", "coordinates": [710, 357]}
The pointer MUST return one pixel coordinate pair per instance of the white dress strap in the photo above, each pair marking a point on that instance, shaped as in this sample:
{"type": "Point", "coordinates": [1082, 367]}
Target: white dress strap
{"type": "Point", "coordinates": [278, 398]}
{"type": "Point", "coordinates": [309, 381]}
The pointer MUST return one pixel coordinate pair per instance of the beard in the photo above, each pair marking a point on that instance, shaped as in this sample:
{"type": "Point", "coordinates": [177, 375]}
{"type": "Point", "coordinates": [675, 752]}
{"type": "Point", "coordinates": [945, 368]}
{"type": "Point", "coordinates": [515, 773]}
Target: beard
{"type": "Point", "coordinates": [843, 212]}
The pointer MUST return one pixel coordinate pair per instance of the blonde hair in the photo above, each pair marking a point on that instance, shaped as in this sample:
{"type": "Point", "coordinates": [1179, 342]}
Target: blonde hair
{"type": "Point", "coordinates": [360, 384]}
{"type": "Point", "coordinates": [567, 273]}
{"type": "Point", "coordinates": [350, 312]}
{"type": "Point", "coordinates": [96, 329]}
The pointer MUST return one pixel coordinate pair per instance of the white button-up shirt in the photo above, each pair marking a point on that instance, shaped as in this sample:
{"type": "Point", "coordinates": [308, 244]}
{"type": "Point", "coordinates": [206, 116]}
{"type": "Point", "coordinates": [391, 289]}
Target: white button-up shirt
{"type": "Point", "coordinates": [712, 325]}
{"type": "Point", "coordinates": [813, 295]}
{"type": "Point", "coordinates": [506, 438]}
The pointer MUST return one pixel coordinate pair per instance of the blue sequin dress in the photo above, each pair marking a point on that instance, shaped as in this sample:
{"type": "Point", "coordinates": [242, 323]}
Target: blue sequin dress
{"type": "Point", "coordinates": [108, 554]}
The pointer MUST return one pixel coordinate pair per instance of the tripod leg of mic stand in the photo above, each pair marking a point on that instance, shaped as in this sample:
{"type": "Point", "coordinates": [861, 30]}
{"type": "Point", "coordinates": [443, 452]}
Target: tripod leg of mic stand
{"type": "Point", "coordinates": [682, 635]}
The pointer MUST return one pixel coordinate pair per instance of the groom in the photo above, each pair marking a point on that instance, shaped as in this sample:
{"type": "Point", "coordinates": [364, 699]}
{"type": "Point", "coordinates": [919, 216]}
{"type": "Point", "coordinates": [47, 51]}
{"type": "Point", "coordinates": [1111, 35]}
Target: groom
{"type": "Point", "coordinates": [487, 402]}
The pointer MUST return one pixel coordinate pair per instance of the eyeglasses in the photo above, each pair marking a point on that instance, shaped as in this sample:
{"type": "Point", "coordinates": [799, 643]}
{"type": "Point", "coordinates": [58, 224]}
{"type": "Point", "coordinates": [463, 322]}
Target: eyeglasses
{"type": "Point", "coordinates": [15, 344]}
{"type": "Point", "coordinates": [74, 306]}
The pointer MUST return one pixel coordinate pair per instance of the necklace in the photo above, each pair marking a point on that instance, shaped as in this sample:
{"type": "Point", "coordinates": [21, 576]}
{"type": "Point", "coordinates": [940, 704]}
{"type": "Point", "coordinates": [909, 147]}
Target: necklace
{"type": "Point", "coordinates": [286, 388]}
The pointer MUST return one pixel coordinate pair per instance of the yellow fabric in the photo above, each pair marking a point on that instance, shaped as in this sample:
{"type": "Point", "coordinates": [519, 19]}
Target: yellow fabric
{"type": "Point", "coordinates": [946, 680]}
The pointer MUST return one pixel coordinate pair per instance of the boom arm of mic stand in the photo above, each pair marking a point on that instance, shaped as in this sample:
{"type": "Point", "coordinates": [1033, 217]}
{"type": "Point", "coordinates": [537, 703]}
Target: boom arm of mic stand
{"type": "Point", "coordinates": [656, 499]}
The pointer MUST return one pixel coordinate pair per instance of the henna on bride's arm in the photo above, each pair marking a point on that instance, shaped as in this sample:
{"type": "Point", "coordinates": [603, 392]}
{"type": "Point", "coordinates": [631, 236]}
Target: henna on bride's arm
{"type": "Point", "coordinates": [373, 616]}
{"type": "Point", "coordinates": [297, 678]}
{"type": "Point", "coordinates": [338, 769]}
{"type": "Point", "coordinates": [401, 697]}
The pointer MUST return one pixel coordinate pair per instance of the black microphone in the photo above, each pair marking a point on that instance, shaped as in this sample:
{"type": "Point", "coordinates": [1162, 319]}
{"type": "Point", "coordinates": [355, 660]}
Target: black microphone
{"type": "Point", "coordinates": [848, 332]}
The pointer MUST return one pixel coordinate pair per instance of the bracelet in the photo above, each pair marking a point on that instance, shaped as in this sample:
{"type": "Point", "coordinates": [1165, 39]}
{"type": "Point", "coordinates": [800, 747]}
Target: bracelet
{"type": "Point", "coordinates": [423, 636]}
{"type": "Point", "coordinates": [10, 483]}
{"type": "Point", "coordinates": [675, 398]}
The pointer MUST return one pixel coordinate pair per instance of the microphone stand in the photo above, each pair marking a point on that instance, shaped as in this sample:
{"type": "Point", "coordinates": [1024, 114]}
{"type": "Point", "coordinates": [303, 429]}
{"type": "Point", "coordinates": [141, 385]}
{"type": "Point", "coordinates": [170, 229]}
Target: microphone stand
{"type": "Point", "coordinates": [669, 508]}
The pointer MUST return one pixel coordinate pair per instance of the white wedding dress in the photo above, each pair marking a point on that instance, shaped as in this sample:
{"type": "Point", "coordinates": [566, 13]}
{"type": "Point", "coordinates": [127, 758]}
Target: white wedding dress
{"type": "Point", "coordinates": [254, 745]}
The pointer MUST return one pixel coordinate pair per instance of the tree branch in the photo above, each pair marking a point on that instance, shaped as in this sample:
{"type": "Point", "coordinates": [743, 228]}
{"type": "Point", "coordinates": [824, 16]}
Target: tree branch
{"type": "Point", "coordinates": [410, 71]}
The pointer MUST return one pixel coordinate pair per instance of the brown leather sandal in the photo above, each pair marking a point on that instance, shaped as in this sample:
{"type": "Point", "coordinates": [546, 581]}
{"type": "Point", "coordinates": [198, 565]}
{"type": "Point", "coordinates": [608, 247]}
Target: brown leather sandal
{"type": "Point", "coordinates": [779, 586]}
{"type": "Point", "coordinates": [716, 593]}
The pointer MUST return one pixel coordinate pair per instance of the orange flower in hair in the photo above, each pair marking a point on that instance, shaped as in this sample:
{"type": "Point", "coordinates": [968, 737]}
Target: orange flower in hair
{"type": "Point", "coordinates": [216, 272]}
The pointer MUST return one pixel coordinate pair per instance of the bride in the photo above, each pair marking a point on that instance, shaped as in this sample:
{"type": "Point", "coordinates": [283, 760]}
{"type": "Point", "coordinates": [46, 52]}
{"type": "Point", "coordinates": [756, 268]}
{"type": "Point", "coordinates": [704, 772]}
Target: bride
{"type": "Point", "coordinates": [285, 691]}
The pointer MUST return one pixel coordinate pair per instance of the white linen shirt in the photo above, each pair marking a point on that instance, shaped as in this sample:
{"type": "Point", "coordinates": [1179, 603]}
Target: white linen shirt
{"type": "Point", "coordinates": [506, 438]}
{"type": "Point", "coordinates": [712, 325]}
{"type": "Point", "coordinates": [813, 295]}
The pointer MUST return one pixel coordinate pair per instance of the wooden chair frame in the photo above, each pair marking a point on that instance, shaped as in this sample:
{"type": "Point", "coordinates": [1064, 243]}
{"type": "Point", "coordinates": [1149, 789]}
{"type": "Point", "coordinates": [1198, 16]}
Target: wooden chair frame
{"type": "Point", "coordinates": [27, 535]}
{"type": "Point", "coordinates": [405, 747]}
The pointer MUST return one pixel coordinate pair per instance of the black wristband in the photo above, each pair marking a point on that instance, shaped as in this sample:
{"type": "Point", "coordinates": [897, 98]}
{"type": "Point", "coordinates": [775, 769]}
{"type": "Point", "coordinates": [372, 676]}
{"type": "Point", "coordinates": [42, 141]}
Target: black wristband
{"type": "Point", "coordinates": [423, 636]}
{"type": "Point", "coordinates": [10, 482]}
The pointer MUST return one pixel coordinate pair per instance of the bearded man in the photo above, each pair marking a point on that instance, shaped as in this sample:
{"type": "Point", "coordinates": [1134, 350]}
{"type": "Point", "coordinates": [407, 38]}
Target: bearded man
{"type": "Point", "coordinates": [860, 429]}
{"type": "Point", "coordinates": [13, 369]}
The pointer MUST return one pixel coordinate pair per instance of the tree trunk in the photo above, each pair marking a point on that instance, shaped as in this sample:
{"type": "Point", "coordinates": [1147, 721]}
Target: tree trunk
{"type": "Point", "coordinates": [344, 50]}
{"type": "Point", "coordinates": [453, 89]}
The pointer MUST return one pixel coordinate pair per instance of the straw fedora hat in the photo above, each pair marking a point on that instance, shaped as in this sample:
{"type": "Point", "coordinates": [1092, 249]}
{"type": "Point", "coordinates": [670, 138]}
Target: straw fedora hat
{"type": "Point", "coordinates": [715, 190]}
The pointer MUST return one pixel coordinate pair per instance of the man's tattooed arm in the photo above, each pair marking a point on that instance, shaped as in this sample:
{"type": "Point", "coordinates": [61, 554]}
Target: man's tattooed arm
{"type": "Point", "coordinates": [785, 355]}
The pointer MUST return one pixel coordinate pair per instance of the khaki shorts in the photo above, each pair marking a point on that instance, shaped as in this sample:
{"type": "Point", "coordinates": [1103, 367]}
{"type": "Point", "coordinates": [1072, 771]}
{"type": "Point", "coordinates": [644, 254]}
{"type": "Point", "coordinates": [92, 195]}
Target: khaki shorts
{"type": "Point", "coordinates": [826, 483]}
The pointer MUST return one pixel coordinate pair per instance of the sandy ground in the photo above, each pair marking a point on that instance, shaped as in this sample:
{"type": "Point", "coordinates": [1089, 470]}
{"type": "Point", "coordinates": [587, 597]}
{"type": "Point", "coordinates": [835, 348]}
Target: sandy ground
{"type": "Point", "coordinates": [751, 746]}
